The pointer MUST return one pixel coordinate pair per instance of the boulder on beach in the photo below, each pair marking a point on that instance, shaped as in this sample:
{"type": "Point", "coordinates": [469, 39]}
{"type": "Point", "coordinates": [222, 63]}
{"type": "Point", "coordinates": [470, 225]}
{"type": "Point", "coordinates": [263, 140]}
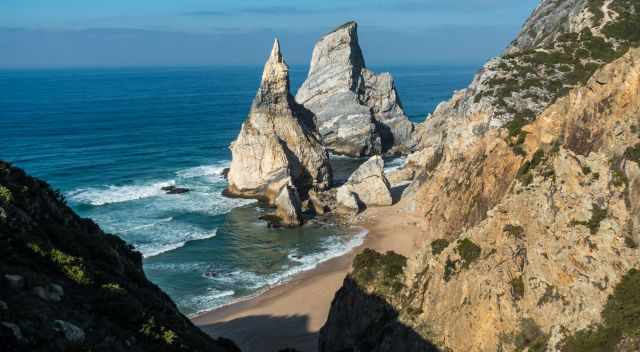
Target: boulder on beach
{"type": "Point", "coordinates": [370, 184]}
{"type": "Point", "coordinates": [358, 113]}
{"type": "Point", "coordinates": [277, 142]}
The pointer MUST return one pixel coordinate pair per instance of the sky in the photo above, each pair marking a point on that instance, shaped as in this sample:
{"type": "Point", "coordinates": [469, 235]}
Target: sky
{"type": "Point", "coordinates": [45, 33]}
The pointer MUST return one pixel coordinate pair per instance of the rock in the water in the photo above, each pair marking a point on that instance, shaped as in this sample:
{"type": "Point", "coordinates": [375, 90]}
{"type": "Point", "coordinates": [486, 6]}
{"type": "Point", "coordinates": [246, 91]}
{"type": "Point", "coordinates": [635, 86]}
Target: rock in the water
{"type": "Point", "coordinates": [72, 333]}
{"type": "Point", "coordinates": [277, 141]}
{"type": "Point", "coordinates": [3, 305]}
{"type": "Point", "coordinates": [51, 293]}
{"type": "Point", "coordinates": [15, 282]}
{"type": "Point", "coordinates": [358, 113]}
{"type": "Point", "coordinates": [175, 190]}
{"type": "Point", "coordinates": [289, 207]}
{"type": "Point", "coordinates": [370, 184]}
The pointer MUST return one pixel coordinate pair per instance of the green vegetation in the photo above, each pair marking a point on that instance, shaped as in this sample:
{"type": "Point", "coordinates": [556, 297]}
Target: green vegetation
{"type": "Point", "coordinates": [618, 177]}
{"type": "Point", "coordinates": [517, 288]}
{"type": "Point", "coordinates": [5, 195]}
{"type": "Point", "coordinates": [514, 231]}
{"type": "Point", "coordinates": [438, 246]}
{"type": "Point", "coordinates": [525, 175]}
{"type": "Point", "coordinates": [516, 135]}
{"type": "Point", "coordinates": [71, 266]}
{"type": "Point", "coordinates": [548, 72]}
{"type": "Point", "coordinates": [625, 28]}
{"type": "Point", "coordinates": [550, 295]}
{"type": "Point", "coordinates": [449, 269]}
{"type": "Point", "coordinates": [630, 242]}
{"type": "Point", "coordinates": [382, 271]}
{"type": "Point", "coordinates": [597, 215]}
{"type": "Point", "coordinates": [151, 330]}
{"type": "Point", "coordinates": [469, 252]}
{"type": "Point", "coordinates": [633, 153]}
{"type": "Point", "coordinates": [531, 337]}
{"type": "Point", "coordinates": [620, 319]}
{"type": "Point", "coordinates": [113, 287]}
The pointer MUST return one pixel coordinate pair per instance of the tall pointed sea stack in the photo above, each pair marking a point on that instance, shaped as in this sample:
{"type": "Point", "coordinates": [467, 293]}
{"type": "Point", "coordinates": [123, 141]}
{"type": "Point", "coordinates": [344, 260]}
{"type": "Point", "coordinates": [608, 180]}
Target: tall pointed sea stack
{"type": "Point", "coordinates": [277, 142]}
{"type": "Point", "coordinates": [358, 112]}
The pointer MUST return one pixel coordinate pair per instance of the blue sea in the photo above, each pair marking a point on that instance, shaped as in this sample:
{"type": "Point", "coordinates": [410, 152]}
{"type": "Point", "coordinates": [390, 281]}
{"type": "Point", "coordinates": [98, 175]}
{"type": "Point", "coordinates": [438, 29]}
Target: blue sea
{"type": "Point", "coordinates": [109, 139]}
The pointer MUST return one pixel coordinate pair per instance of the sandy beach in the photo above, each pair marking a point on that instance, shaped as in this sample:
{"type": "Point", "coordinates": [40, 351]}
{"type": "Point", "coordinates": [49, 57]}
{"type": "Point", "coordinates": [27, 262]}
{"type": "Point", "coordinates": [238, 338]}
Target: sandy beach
{"type": "Point", "coordinates": [290, 315]}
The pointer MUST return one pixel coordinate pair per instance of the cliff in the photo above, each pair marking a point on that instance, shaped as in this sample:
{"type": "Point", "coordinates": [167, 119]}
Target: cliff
{"type": "Point", "coordinates": [278, 142]}
{"type": "Point", "coordinates": [358, 113]}
{"type": "Point", "coordinates": [530, 201]}
{"type": "Point", "coordinates": [68, 286]}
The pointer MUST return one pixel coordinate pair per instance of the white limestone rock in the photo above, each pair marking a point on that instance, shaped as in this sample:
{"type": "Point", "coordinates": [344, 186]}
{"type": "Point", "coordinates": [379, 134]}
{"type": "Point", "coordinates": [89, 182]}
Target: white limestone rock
{"type": "Point", "coordinates": [358, 113]}
{"type": "Point", "coordinates": [276, 142]}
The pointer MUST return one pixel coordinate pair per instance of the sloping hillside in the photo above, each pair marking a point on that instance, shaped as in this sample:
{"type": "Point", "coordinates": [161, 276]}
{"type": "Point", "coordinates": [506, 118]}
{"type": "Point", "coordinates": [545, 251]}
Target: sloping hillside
{"type": "Point", "coordinates": [68, 286]}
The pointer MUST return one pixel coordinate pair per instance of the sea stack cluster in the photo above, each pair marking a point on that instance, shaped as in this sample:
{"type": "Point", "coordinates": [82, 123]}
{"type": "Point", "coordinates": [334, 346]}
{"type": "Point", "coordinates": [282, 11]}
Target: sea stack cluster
{"type": "Point", "coordinates": [281, 154]}
{"type": "Point", "coordinates": [358, 113]}
{"type": "Point", "coordinates": [277, 147]}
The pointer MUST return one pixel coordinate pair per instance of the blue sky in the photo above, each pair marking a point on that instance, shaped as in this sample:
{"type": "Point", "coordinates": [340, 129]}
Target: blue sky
{"type": "Point", "coordinates": [420, 31]}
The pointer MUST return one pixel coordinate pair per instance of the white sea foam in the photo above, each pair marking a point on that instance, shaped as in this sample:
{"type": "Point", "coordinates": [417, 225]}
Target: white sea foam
{"type": "Point", "coordinates": [117, 194]}
{"type": "Point", "coordinates": [157, 248]}
{"type": "Point", "coordinates": [394, 164]}
{"type": "Point", "coordinates": [146, 226]}
{"type": "Point", "coordinates": [204, 170]}
{"type": "Point", "coordinates": [332, 247]}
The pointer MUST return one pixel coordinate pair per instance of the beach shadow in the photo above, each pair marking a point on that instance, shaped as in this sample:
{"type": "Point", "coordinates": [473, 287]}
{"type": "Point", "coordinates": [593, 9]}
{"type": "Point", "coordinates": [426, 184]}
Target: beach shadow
{"type": "Point", "coordinates": [396, 192]}
{"type": "Point", "coordinates": [267, 333]}
{"type": "Point", "coordinates": [360, 321]}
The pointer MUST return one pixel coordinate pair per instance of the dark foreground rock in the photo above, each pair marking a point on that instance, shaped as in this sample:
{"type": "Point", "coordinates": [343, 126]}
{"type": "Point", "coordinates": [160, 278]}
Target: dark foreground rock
{"type": "Point", "coordinates": [67, 286]}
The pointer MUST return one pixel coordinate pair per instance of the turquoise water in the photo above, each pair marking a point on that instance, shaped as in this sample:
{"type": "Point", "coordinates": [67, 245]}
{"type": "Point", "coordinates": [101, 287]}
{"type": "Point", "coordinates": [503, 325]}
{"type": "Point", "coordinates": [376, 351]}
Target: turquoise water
{"type": "Point", "coordinates": [111, 138]}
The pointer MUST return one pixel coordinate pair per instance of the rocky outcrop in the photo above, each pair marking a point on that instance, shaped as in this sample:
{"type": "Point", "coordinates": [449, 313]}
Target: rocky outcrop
{"type": "Point", "coordinates": [358, 113]}
{"type": "Point", "coordinates": [67, 286]}
{"type": "Point", "coordinates": [277, 142]}
{"type": "Point", "coordinates": [289, 207]}
{"type": "Point", "coordinates": [527, 182]}
{"type": "Point", "coordinates": [533, 248]}
{"type": "Point", "coordinates": [346, 202]}
{"type": "Point", "coordinates": [370, 184]}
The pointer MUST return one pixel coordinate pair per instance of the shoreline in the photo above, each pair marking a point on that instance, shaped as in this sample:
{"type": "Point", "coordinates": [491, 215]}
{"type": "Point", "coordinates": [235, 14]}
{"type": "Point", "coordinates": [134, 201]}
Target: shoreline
{"type": "Point", "coordinates": [291, 314]}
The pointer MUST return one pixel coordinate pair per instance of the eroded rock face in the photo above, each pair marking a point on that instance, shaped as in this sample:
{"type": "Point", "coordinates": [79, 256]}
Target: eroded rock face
{"type": "Point", "coordinates": [370, 184]}
{"type": "Point", "coordinates": [525, 246]}
{"type": "Point", "coordinates": [277, 141]}
{"type": "Point", "coordinates": [289, 207]}
{"type": "Point", "coordinates": [358, 113]}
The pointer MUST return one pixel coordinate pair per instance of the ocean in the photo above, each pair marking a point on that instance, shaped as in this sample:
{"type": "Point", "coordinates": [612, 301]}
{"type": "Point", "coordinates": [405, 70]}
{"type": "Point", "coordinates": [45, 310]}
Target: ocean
{"type": "Point", "coordinates": [110, 139]}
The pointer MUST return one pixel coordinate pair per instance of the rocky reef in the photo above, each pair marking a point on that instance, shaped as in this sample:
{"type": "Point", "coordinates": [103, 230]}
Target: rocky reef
{"type": "Point", "coordinates": [278, 143]}
{"type": "Point", "coordinates": [528, 183]}
{"type": "Point", "coordinates": [358, 113]}
{"type": "Point", "coordinates": [67, 286]}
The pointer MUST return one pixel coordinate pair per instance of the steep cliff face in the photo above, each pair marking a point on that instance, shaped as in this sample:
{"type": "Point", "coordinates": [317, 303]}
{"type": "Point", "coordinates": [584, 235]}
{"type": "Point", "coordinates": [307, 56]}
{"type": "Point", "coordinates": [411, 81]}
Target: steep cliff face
{"type": "Point", "coordinates": [277, 142]}
{"type": "Point", "coordinates": [560, 46]}
{"type": "Point", "coordinates": [358, 113]}
{"type": "Point", "coordinates": [67, 286]}
{"type": "Point", "coordinates": [534, 227]}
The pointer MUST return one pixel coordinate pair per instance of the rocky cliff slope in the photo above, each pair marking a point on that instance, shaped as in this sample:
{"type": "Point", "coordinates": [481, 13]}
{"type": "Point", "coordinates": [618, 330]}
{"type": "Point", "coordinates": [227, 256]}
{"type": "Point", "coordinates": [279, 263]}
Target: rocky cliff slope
{"type": "Point", "coordinates": [530, 194]}
{"type": "Point", "coordinates": [278, 143]}
{"type": "Point", "coordinates": [67, 286]}
{"type": "Point", "coordinates": [358, 113]}
{"type": "Point", "coordinates": [561, 45]}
